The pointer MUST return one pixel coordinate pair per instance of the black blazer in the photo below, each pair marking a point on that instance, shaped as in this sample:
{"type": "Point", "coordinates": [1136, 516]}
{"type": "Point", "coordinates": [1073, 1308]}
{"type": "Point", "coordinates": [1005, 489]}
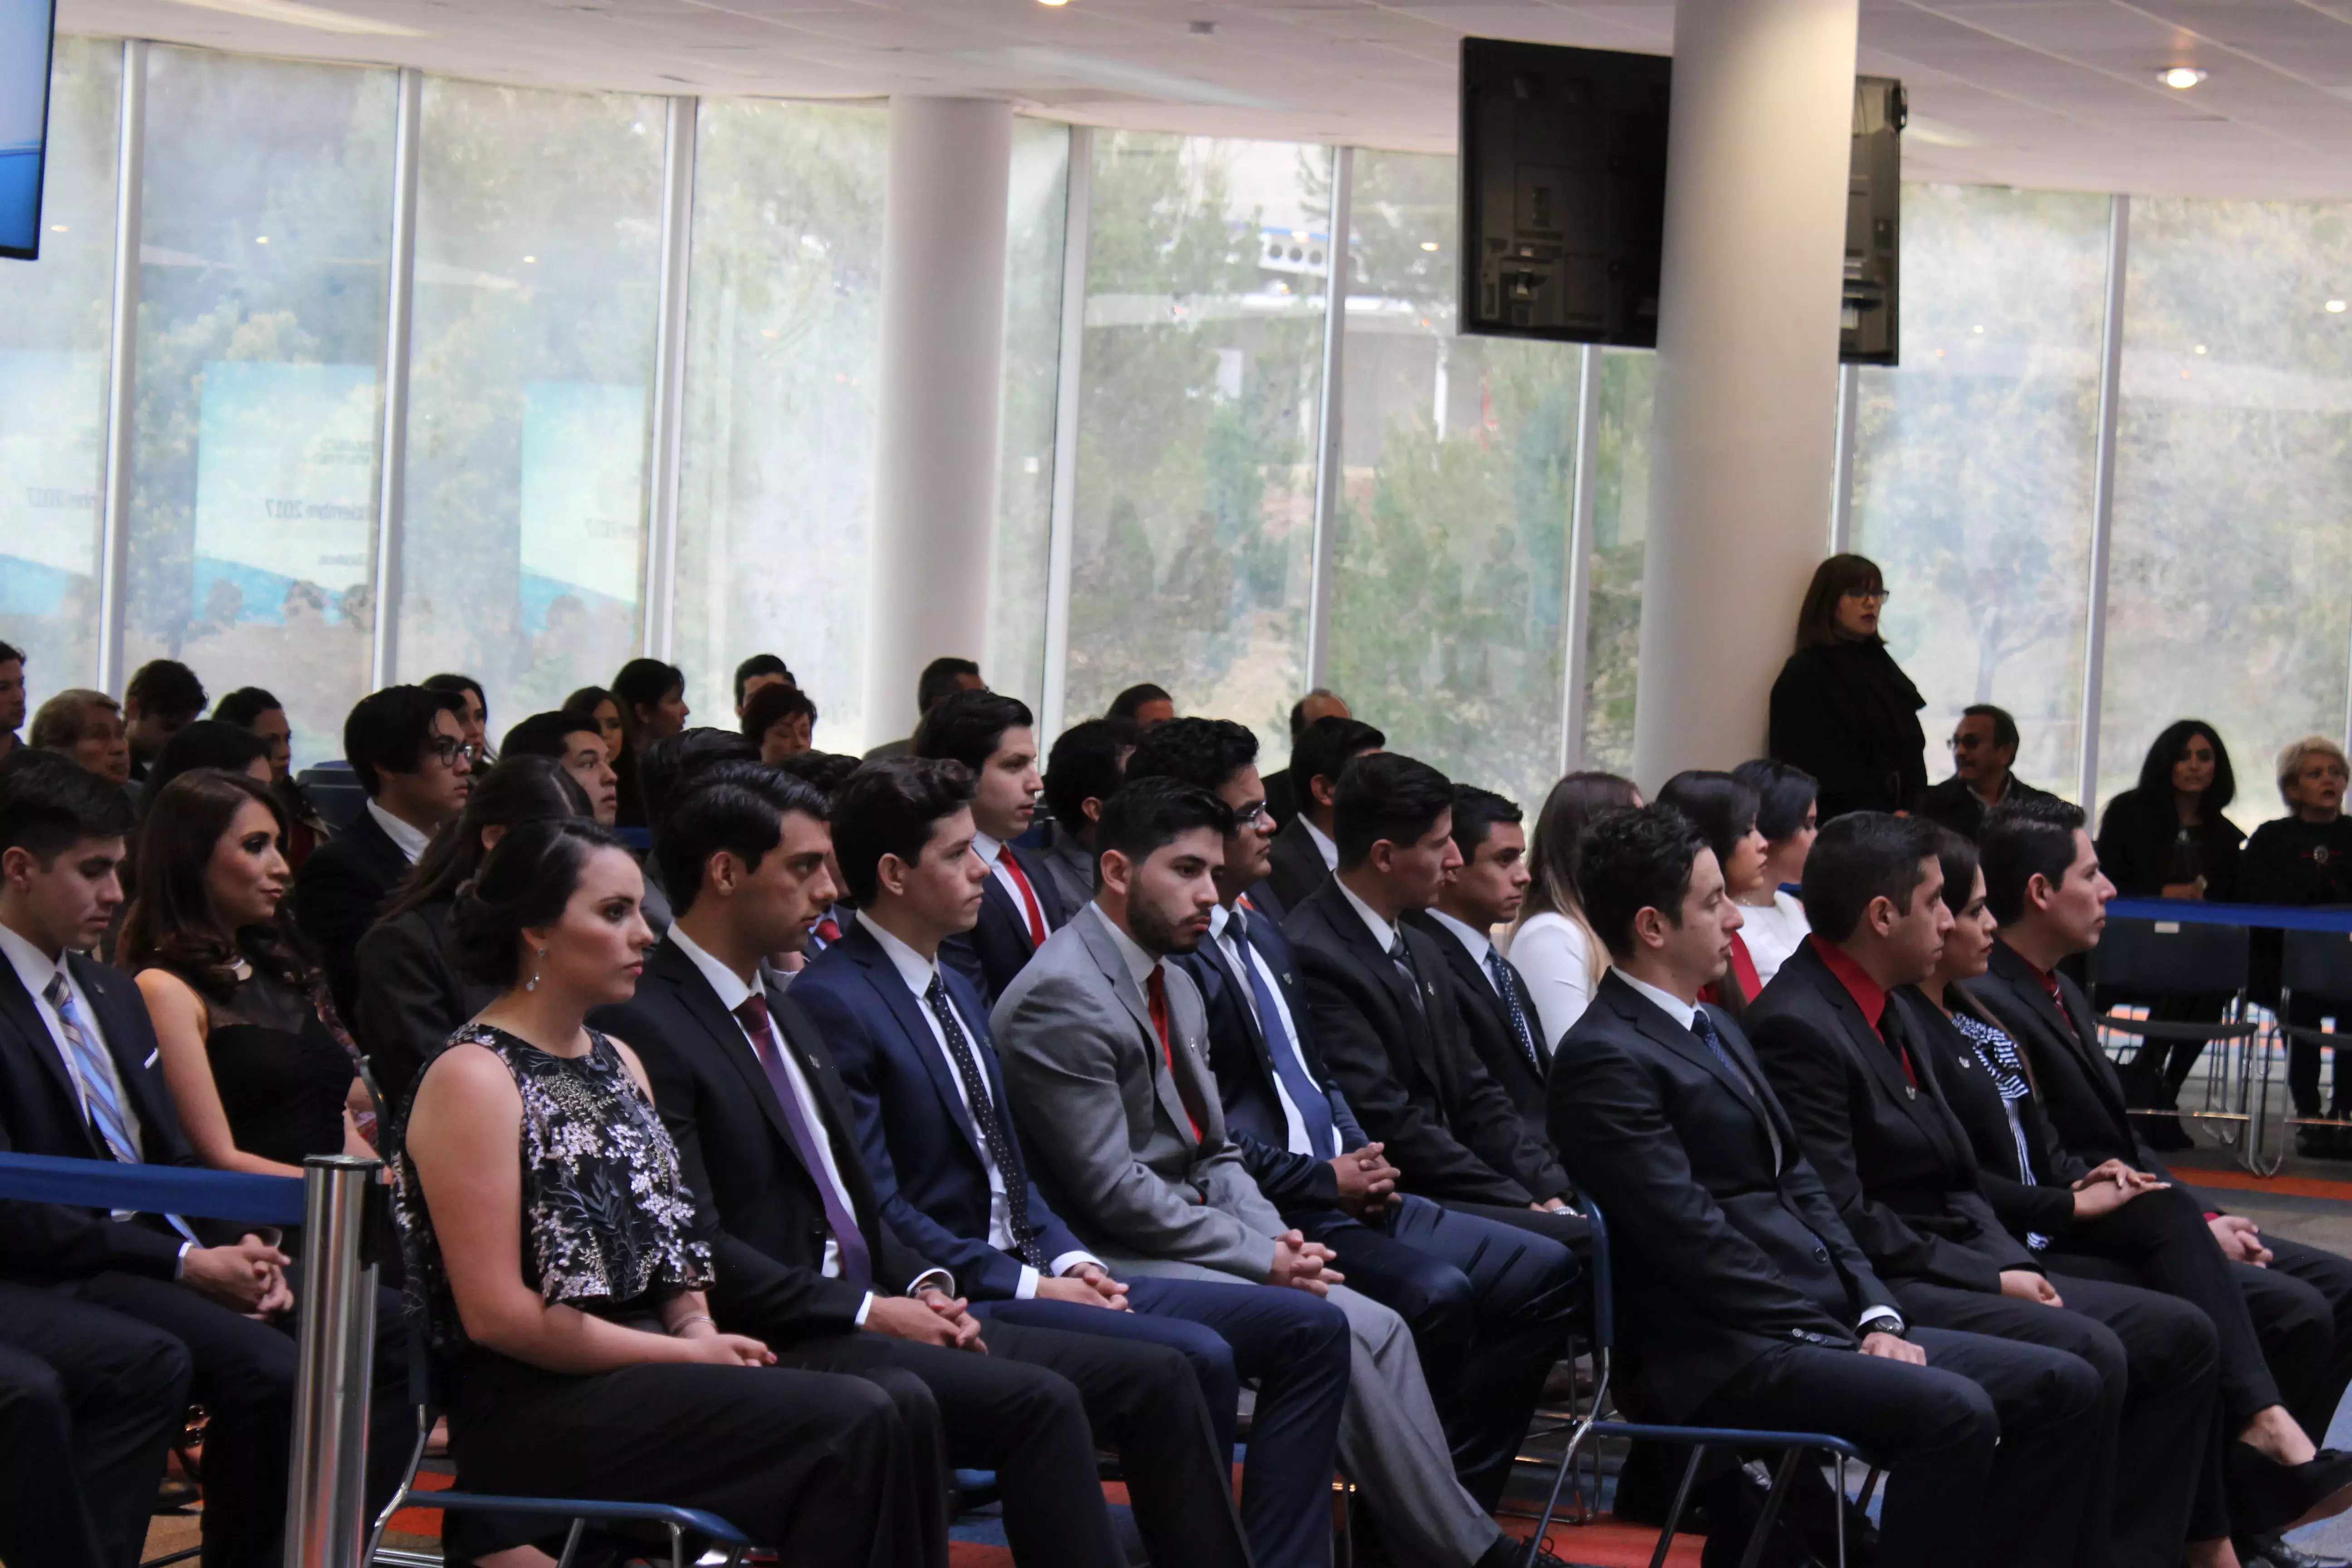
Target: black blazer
{"type": "Point", "coordinates": [41, 1114]}
{"type": "Point", "coordinates": [410, 1000]}
{"type": "Point", "coordinates": [1725, 1243]}
{"type": "Point", "coordinates": [2136, 839]}
{"type": "Point", "coordinates": [758, 1205]}
{"type": "Point", "coordinates": [1408, 1068]}
{"type": "Point", "coordinates": [997, 948]}
{"type": "Point", "coordinates": [1488, 1019]}
{"type": "Point", "coordinates": [1892, 1158]}
{"type": "Point", "coordinates": [339, 893]}
{"type": "Point", "coordinates": [1281, 798]}
{"type": "Point", "coordinates": [1296, 870]}
{"type": "Point", "coordinates": [2043, 1203]}
{"type": "Point", "coordinates": [1241, 1057]}
{"type": "Point", "coordinates": [2081, 1095]}
{"type": "Point", "coordinates": [1848, 715]}
{"type": "Point", "coordinates": [1953, 804]}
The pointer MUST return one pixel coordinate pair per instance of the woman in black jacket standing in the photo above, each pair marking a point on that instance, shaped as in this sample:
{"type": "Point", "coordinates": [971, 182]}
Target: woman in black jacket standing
{"type": "Point", "coordinates": [1842, 709]}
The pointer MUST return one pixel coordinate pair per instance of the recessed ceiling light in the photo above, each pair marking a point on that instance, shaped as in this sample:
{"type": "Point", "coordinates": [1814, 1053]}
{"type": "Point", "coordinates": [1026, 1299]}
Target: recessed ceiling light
{"type": "Point", "coordinates": [2335, 307]}
{"type": "Point", "coordinates": [2183, 77]}
{"type": "Point", "coordinates": [1429, 245]}
{"type": "Point", "coordinates": [1054, 3]}
{"type": "Point", "coordinates": [57, 228]}
{"type": "Point", "coordinates": [1979, 330]}
{"type": "Point", "coordinates": [2200, 348]}
{"type": "Point", "coordinates": [529, 260]}
{"type": "Point", "coordinates": [261, 240]}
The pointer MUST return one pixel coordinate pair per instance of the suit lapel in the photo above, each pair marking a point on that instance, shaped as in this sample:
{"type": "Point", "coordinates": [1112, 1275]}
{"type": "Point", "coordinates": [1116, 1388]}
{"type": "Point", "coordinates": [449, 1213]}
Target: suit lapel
{"type": "Point", "coordinates": [1041, 883]}
{"type": "Point", "coordinates": [883, 976]}
{"type": "Point", "coordinates": [1094, 927]}
{"type": "Point", "coordinates": [19, 1009]}
{"type": "Point", "coordinates": [1357, 938]}
{"type": "Point", "coordinates": [1644, 1016]}
{"type": "Point", "coordinates": [701, 1003]}
{"type": "Point", "coordinates": [158, 1118]}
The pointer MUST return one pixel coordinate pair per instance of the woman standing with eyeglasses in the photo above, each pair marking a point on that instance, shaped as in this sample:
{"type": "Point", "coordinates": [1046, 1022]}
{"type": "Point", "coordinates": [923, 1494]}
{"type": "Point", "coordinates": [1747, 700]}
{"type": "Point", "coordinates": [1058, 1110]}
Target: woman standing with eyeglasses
{"type": "Point", "coordinates": [1842, 709]}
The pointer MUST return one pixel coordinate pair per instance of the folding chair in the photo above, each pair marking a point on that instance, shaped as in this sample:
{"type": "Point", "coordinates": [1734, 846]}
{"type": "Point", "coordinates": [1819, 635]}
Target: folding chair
{"type": "Point", "coordinates": [1602, 1325]}
{"type": "Point", "coordinates": [2315, 966]}
{"type": "Point", "coordinates": [2161, 961]}
{"type": "Point", "coordinates": [677, 1521]}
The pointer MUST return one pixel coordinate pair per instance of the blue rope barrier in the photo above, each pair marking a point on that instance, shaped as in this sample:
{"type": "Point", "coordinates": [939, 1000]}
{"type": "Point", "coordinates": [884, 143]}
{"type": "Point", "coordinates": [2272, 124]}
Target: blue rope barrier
{"type": "Point", "coordinates": [2198, 911]}
{"type": "Point", "coordinates": [152, 1189]}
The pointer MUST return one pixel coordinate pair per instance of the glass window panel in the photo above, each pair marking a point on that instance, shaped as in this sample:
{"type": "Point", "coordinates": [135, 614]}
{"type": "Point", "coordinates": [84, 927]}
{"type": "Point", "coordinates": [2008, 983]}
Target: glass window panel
{"type": "Point", "coordinates": [537, 277]}
{"type": "Point", "coordinates": [1039, 209]}
{"type": "Point", "coordinates": [266, 220]}
{"type": "Point", "coordinates": [783, 344]}
{"type": "Point", "coordinates": [1194, 532]}
{"type": "Point", "coordinates": [2229, 552]}
{"type": "Point", "coordinates": [1621, 515]}
{"type": "Point", "coordinates": [1451, 563]}
{"type": "Point", "coordinates": [54, 337]}
{"type": "Point", "coordinates": [1973, 462]}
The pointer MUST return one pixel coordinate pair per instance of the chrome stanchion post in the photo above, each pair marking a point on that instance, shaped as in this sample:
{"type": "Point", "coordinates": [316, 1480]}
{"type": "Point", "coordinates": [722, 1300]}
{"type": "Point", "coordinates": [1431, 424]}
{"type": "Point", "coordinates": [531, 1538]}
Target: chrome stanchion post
{"type": "Point", "coordinates": [326, 1498]}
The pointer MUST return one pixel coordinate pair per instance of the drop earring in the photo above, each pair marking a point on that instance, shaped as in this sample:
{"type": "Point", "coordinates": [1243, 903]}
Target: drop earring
{"type": "Point", "coordinates": [536, 954]}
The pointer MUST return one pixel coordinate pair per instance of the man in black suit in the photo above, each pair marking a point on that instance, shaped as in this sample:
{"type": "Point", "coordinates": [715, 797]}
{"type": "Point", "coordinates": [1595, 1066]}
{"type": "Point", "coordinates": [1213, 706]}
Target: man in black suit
{"type": "Point", "coordinates": [1381, 1003]}
{"type": "Point", "coordinates": [1490, 1306]}
{"type": "Point", "coordinates": [1305, 853]}
{"type": "Point", "coordinates": [767, 1138]}
{"type": "Point", "coordinates": [1483, 892]}
{"type": "Point", "coordinates": [1837, 1034]}
{"type": "Point", "coordinates": [79, 1080]}
{"type": "Point", "coordinates": [1281, 794]}
{"type": "Point", "coordinates": [991, 736]}
{"type": "Point", "coordinates": [1087, 760]}
{"type": "Point", "coordinates": [407, 747]}
{"type": "Point", "coordinates": [1742, 1299]}
{"type": "Point", "coordinates": [1984, 752]}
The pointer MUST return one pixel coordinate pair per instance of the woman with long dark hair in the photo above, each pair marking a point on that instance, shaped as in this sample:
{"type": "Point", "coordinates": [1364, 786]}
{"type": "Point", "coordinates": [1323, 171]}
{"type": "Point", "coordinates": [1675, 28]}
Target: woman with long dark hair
{"type": "Point", "coordinates": [1552, 943]}
{"type": "Point", "coordinates": [1842, 709]}
{"type": "Point", "coordinates": [651, 696]}
{"type": "Point", "coordinates": [252, 708]}
{"type": "Point", "coordinates": [2166, 838]}
{"type": "Point", "coordinates": [1724, 810]}
{"type": "Point", "coordinates": [410, 999]}
{"type": "Point", "coordinates": [554, 1264]}
{"type": "Point", "coordinates": [249, 1048]}
{"type": "Point", "coordinates": [602, 709]}
{"type": "Point", "coordinates": [1788, 814]}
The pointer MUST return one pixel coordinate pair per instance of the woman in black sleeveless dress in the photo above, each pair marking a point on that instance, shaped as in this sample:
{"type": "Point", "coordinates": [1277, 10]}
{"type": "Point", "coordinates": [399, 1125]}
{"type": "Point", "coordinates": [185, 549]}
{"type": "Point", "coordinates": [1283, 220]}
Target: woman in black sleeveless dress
{"type": "Point", "coordinates": [554, 1262]}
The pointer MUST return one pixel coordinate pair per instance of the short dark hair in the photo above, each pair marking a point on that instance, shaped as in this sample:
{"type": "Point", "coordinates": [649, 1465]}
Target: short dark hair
{"type": "Point", "coordinates": [1324, 748]}
{"type": "Point", "coordinates": [1861, 856]}
{"type": "Point", "coordinates": [1205, 752]}
{"type": "Point", "coordinates": [1784, 793]}
{"type": "Point", "coordinates": [828, 771]}
{"type": "Point", "coordinates": [941, 678]}
{"type": "Point", "coordinates": [388, 731]}
{"type": "Point", "coordinates": [11, 654]}
{"type": "Point", "coordinates": [2156, 771]}
{"type": "Point", "coordinates": [1129, 703]}
{"type": "Point", "coordinates": [757, 664]}
{"type": "Point", "coordinates": [643, 682]}
{"type": "Point", "coordinates": [735, 806]}
{"type": "Point", "coordinates": [1833, 579]}
{"type": "Point", "coordinates": [770, 706]}
{"type": "Point", "coordinates": [1385, 795]}
{"type": "Point", "coordinates": [450, 680]}
{"type": "Point", "coordinates": [1145, 816]}
{"type": "Point", "coordinates": [2018, 840]}
{"type": "Point", "coordinates": [206, 743]}
{"type": "Point", "coordinates": [525, 882]}
{"type": "Point", "coordinates": [1085, 765]}
{"type": "Point", "coordinates": [244, 705]}
{"type": "Point", "coordinates": [165, 687]}
{"type": "Point", "coordinates": [1718, 804]}
{"type": "Point", "coordinates": [887, 807]}
{"type": "Point", "coordinates": [587, 700]}
{"type": "Point", "coordinates": [2005, 725]}
{"type": "Point", "coordinates": [1636, 858]}
{"type": "Point", "coordinates": [542, 735]}
{"type": "Point", "coordinates": [1958, 857]}
{"type": "Point", "coordinates": [1475, 812]}
{"type": "Point", "coordinates": [49, 803]}
{"type": "Point", "coordinates": [668, 763]}
{"type": "Point", "coordinates": [968, 727]}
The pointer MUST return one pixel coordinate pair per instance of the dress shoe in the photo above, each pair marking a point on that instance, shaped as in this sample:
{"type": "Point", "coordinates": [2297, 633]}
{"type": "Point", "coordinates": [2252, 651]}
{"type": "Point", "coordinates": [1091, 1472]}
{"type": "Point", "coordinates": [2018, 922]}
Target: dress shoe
{"type": "Point", "coordinates": [2267, 1498]}
{"type": "Point", "coordinates": [2320, 1142]}
{"type": "Point", "coordinates": [2272, 1551]}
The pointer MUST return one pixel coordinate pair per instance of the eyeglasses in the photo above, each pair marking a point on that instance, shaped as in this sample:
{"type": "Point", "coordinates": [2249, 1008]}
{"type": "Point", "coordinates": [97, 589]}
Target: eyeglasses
{"type": "Point", "coordinates": [447, 749]}
{"type": "Point", "coordinates": [1870, 596]}
{"type": "Point", "coordinates": [1252, 815]}
{"type": "Point", "coordinates": [1964, 743]}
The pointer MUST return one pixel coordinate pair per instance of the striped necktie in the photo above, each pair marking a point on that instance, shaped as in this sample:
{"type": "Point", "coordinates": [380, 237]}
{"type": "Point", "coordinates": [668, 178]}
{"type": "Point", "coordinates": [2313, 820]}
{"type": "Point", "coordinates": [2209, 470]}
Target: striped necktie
{"type": "Point", "coordinates": [97, 1084]}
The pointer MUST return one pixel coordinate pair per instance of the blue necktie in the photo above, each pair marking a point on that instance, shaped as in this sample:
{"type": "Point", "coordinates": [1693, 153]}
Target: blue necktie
{"type": "Point", "coordinates": [1314, 1105]}
{"type": "Point", "coordinates": [1507, 985]}
{"type": "Point", "coordinates": [1704, 1027]}
{"type": "Point", "coordinates": [98, 1085]}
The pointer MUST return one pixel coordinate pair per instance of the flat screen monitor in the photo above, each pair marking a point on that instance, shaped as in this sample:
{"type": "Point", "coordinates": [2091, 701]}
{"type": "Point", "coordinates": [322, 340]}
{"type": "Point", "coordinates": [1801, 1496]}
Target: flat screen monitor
{"type": "Point", "coordinates": [28, 33]}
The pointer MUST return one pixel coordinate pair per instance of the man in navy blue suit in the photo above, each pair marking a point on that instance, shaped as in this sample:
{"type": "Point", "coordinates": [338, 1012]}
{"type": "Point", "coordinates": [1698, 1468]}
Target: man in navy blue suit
{"type": "Point", "coordinates": [939, 1139]}
{"type": "Point", "coordinates": [993, 736]}
{"type": "Point", "coordinates": [1489, 1304]}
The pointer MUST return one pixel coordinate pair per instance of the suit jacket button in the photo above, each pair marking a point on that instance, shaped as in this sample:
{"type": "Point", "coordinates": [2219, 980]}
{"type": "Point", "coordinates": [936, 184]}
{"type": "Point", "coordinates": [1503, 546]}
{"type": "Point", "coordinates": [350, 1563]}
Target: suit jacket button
{"type": "Point", "coordinates": [1820, 1254]}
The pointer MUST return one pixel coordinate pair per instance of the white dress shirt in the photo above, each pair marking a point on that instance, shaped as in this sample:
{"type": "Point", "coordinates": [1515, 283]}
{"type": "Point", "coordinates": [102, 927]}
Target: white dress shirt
{"type": "Point", "coordinates": [992, 850]}
{"type": "Point", "coordinates": [731, 992]}
{"type": "Point", "coordinates": [1281, 1034]}
{"type": "Point", "coordinates": [1384, 931]}
{"type": "Point", "coordinates": [1552, 953]}
{"type": "Point", "coordinates": [1323, 845]}
{"type": "Point", "coordinates": [920, 973]}
{"type": "Point", "coordinates": [1478, 943]}
{"type": "Point", "coordinates": [410, 840]}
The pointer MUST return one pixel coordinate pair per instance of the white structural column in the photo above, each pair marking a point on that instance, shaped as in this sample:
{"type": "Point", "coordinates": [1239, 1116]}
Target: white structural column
{"type": "Point", "coordinates": [942, 377]}
{"type": "Point", "coordinates": [1758, 144]}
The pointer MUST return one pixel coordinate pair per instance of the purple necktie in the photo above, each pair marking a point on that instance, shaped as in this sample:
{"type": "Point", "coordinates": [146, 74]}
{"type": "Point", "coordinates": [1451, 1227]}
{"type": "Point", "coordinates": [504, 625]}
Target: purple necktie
{"type": "Point", "coordinates": [857, 1266]}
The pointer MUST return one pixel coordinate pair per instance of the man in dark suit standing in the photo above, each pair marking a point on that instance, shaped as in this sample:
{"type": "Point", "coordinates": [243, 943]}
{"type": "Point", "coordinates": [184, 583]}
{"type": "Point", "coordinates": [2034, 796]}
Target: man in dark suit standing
{"type": "Point", "coordinates": [1742, 1299]}
{"type": "Point", "coordinates": [1382, 1006]}
{"type": "Point", "coordinates": [1483, 892]}
{"type": "Point", "coordinates": [1281, 794]}
{"type": "Point", "coordinates": [1489, 1305]}
{"type": "Point", "coordinates": [991, 736]}
{"type": "Point", "coordinates": [1305, 853]}
{"type": "Point", "coordinates": [940, 1141]}
{"type": "Point", "coordinates": [79, 1080]}
{"type": "Point", "coordinates": [408, 748]}
{"type": "Point", "coordinates": [806, 1259]}
{"type": "Point", "coordinates": [1838, 1036]}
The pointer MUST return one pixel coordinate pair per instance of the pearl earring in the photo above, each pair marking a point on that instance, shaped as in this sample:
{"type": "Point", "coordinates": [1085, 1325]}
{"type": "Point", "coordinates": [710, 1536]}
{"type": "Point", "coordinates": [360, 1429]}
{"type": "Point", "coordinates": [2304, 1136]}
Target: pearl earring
{"type": "Point", "coordinates": [536, 954]}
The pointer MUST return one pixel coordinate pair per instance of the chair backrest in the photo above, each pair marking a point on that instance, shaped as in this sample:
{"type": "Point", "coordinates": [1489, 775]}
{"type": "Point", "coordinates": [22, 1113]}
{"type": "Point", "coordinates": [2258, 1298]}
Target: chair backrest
{"type": "Point", "coordinates": [335, 791]}
{"type": "Point", "coordinates": [2317, 966]}
{"type": "Point", "coordinates": [1602, 1280]}
{"type": "Point", "coordinates": [2171, 958]}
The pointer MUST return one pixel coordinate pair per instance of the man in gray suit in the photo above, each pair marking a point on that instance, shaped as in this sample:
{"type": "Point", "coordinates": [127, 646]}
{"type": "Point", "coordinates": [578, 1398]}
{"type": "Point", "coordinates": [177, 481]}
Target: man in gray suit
{"type": "Point", "coordinates": [1105, 1047]}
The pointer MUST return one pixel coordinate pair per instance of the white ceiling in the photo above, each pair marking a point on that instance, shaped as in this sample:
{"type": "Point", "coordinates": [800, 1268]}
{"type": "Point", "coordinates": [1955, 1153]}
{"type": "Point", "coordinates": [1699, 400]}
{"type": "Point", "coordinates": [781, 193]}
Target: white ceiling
{"type": "Point", "coordinates": [2058, 93]}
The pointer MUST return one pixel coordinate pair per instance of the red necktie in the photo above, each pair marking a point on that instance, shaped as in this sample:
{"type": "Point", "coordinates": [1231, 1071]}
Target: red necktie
{"type": "Point", "coordinates": [1029, 900]}
{"type": "Point", "coordinates": [2058, 998]}
{"type": "Point", "coordinates": [828, 931]}
{"type": "Point", "coordinates": [1157, 989]}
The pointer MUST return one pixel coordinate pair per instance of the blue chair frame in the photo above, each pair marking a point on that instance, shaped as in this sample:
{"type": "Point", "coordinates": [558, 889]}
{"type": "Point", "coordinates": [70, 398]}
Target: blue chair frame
{"type": "Point", "coordinates": [1602, 1317]}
